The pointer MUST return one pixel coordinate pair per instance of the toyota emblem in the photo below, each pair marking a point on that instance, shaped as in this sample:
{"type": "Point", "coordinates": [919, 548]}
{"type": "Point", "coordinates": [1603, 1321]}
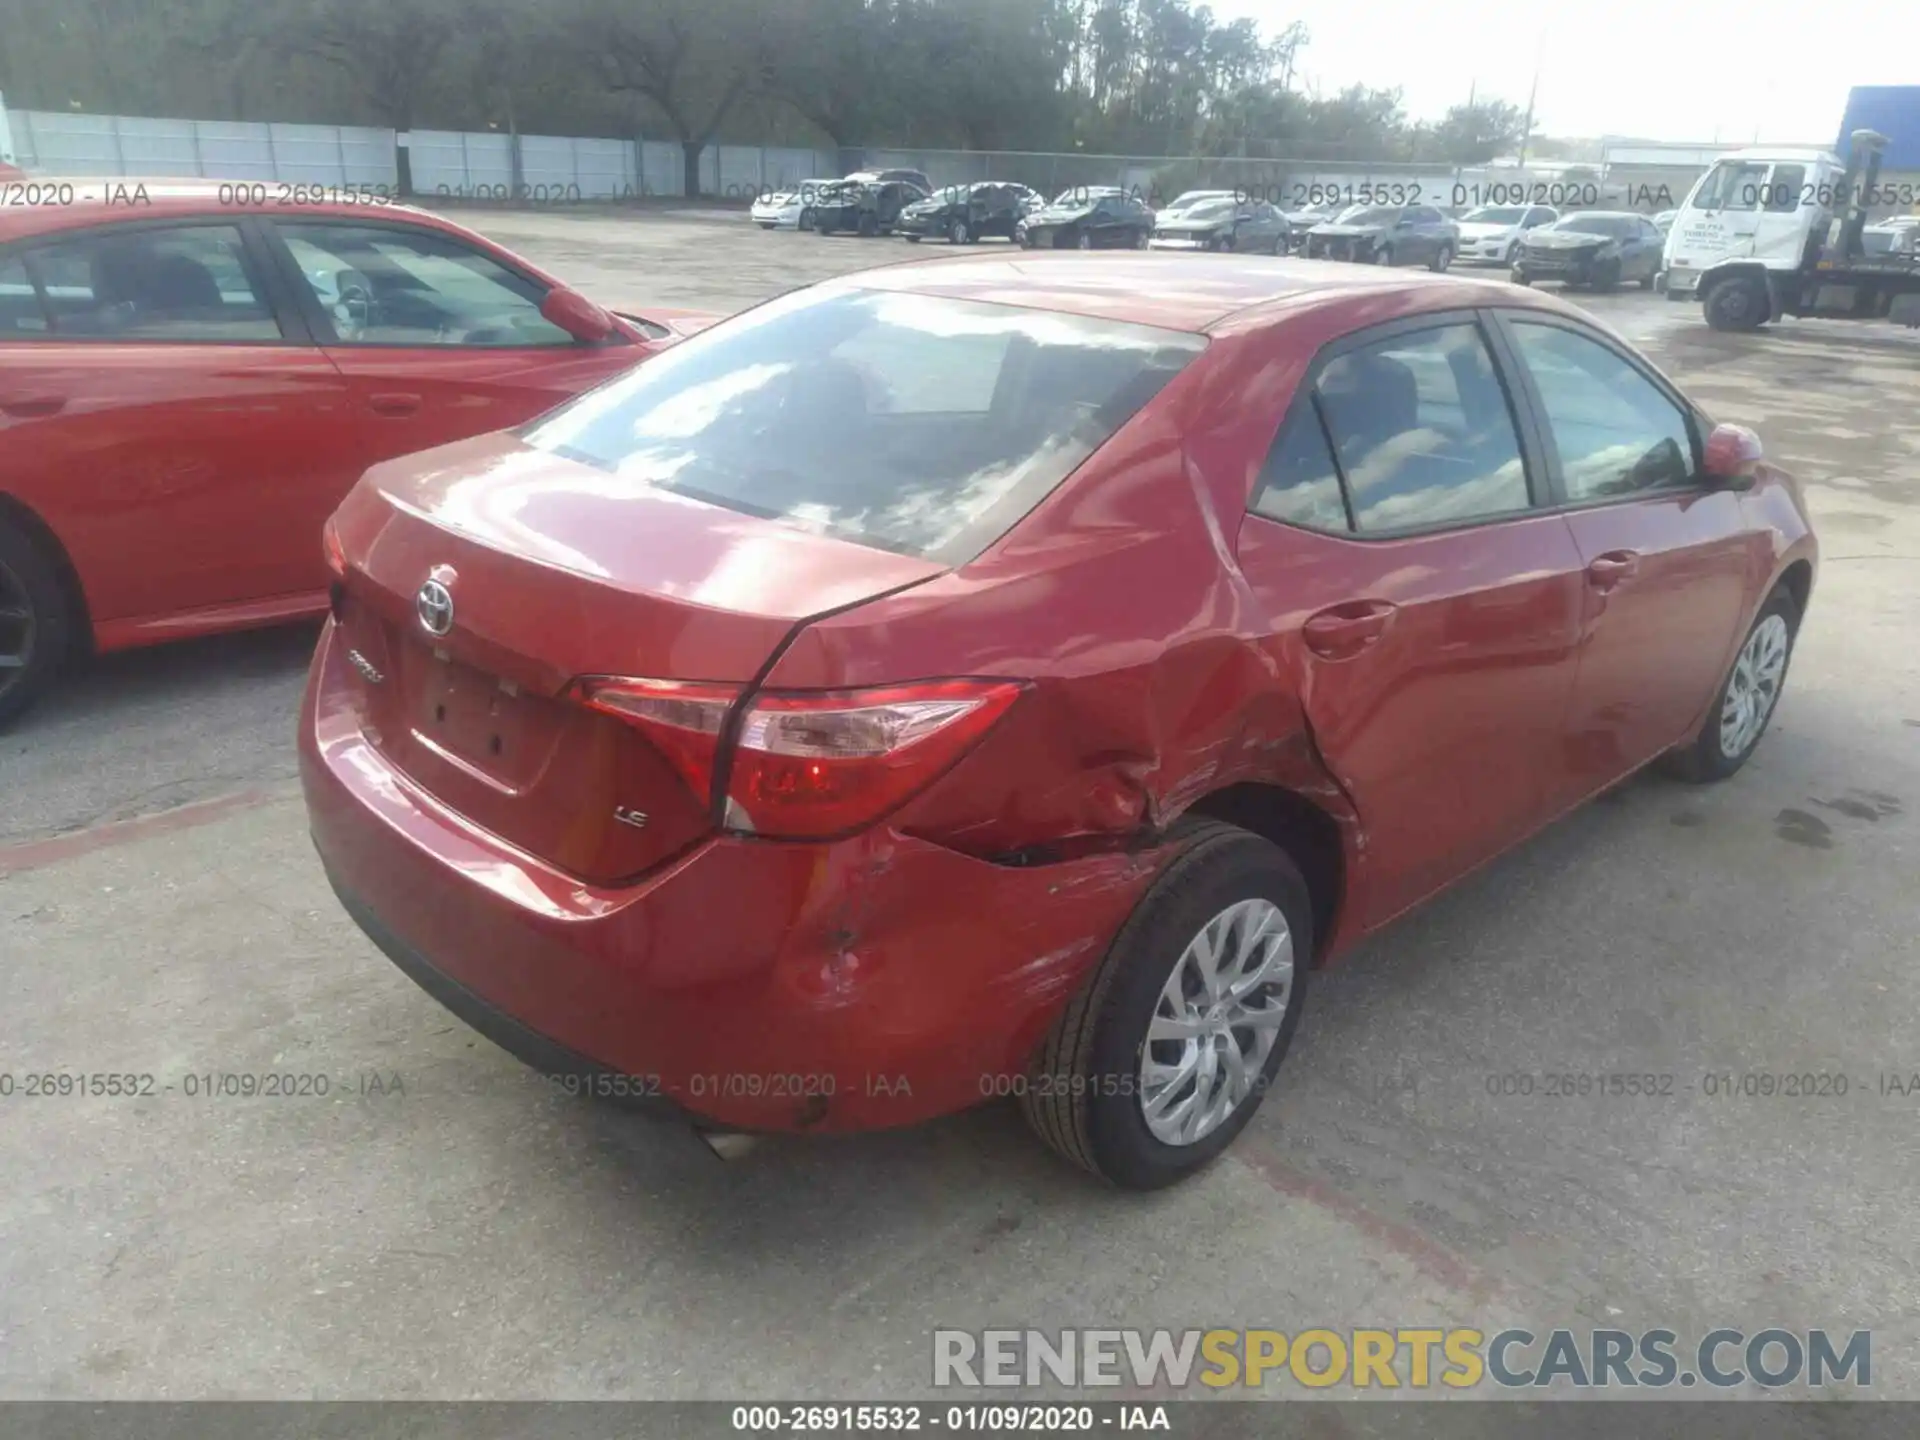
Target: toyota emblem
{"type": "Point", "coordinates": [434, 606]}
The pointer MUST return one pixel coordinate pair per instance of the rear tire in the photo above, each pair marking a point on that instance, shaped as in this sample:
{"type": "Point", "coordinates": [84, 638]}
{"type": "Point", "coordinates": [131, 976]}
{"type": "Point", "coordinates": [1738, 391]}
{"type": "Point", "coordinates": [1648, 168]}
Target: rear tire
{"type": "Point", "coordinates": [1738, 302]}
{"type": "Point", "coordinates": [1744, 704]}
{"type": "Point", "coordinates": [1646, 280]}
{"type": "Point", "coordinates": [806, 219]}
{"type": "Point", "coordinates": [1089, 1094]}
{"type": "Point", "coordinates": [958, 234]}
{"type": "Point", "coordinates": [1084, 240]}
{"type": "Point", "coordinates": [1383, 255]}
{"type": "Point", "coordinates": [1606, 277]}
{"type": "Point", "coordinates": [37, 623]}
{"type": "Point", "coordinates": [1442, 258]}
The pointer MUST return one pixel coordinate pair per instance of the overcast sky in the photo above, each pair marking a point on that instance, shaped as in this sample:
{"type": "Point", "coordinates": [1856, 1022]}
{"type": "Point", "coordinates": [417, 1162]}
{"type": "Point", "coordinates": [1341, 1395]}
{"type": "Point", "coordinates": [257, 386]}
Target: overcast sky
{"type": "Point", "coordinates": [1661, 71]}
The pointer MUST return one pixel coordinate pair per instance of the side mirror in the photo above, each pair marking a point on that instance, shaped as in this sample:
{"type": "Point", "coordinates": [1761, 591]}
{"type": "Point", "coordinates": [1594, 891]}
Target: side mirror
{"type": "Point", "coordinates": [1731, 453]}
{"type": "Point", "coordinates": [577, 315]}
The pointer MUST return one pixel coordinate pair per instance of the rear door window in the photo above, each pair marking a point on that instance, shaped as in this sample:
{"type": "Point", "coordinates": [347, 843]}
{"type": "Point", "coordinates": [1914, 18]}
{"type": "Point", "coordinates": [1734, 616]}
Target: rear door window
{"type": "Point", "coordinates": [911, 423]}
{"type": "Point", "coordinates": [1616, 432]}
{"type": "Point", "coordinates": [1300, 484]}
{"type": "Point", "coordinates": [1422, 431]}
{"type": "Point", "coordinates": [189, 283]}
{"type": "Point", "coordinates": [21, 315]}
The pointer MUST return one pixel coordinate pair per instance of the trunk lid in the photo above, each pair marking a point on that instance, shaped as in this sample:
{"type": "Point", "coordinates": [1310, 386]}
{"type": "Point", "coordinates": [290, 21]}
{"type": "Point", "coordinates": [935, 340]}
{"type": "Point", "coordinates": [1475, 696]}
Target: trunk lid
{"type": "Point", "coordinates": [555, 570]}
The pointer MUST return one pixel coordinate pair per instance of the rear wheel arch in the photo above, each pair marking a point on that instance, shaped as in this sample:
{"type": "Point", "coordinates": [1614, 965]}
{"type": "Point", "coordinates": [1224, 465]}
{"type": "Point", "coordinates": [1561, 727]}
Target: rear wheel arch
{"type": "Point", "coordinates": [23, 518]}
{"type": "Point", "coordinates": [1309, 835]}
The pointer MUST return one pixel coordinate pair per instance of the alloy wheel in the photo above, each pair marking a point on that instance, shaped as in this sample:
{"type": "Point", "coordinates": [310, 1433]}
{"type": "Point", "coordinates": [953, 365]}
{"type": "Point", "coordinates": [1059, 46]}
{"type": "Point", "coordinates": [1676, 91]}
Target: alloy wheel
{"type": "Point", "coordinates": [1755, 686]}
{"type": "Point", "coordinates": [16, 629]}
{"type": "Point", "coordinates": [1215, 1022]}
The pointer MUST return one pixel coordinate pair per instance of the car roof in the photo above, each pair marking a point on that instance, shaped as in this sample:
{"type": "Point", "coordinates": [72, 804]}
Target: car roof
{"type": "Point", "coordinates": [96, 199]}
{"type": "Point", "coordinates": [1198, 293]}
{"type": "Point", "coordinates": [1577, 216]}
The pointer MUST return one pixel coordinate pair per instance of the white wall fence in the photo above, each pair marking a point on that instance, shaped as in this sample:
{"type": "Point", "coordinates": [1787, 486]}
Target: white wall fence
{"type": "Point", "coordinates": [52, 143]}
{"type": "Point", "coordinates": [546, 169]}
{"type": "Point", "coordinates": [445, 163]}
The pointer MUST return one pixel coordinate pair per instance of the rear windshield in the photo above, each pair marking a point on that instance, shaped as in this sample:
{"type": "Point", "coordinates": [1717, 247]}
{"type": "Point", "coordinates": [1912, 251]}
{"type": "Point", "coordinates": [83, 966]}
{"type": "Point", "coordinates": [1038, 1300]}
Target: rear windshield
{"type": "Point", "coordinates": [910, 423]}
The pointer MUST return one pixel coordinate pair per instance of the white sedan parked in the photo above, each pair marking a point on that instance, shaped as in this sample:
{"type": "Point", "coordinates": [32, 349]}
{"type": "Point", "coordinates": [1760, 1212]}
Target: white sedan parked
{"type": "Point", "coordinates": [789, 209]}
{"type": "Point", "coordinates": [1489, 233]}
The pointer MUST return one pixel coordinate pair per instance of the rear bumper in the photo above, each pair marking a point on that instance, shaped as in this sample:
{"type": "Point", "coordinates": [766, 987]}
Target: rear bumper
{"type": "Point", "coordinates": [539, 1051]}
{"type": "Point", "coordinates": [859, 984]}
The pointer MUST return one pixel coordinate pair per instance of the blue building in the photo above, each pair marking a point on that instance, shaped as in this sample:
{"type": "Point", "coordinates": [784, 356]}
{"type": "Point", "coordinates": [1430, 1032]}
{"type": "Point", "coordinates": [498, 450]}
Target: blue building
{"type": "Point", "coordinates": [1893, 110]}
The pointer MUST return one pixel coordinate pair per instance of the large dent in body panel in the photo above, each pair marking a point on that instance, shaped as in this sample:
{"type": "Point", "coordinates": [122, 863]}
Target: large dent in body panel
{"type": "Point", "coordinates": [951, 966]}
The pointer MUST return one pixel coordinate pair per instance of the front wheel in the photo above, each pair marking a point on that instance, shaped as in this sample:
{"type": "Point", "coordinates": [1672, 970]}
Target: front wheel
{"type": "Point", "coordinates": [1085, 240]}
{"type": "Point", "coordinates": [1746, 701]}
{"type": "Point", "coordinates": [806, 219]}
{"type": "Point", "coordinates": [1737, 303]}
{"type": "Point", "coordinates": [958, 234]}
{"type": "Point", "coordinates": [1383, 256]}
{"type": "Point", "coordinates": [869, 226]}
{"type": "Point", "coordinates": [1165, 1054]}
{"type": "Point", "coordinates": [1606, 277]}
{"type": "Point", "coordinates": [1442, 258]}
{"type": "Point", "coordinates": [1521, 278]}
{"type": "Point", "coordinates": [36, 622]}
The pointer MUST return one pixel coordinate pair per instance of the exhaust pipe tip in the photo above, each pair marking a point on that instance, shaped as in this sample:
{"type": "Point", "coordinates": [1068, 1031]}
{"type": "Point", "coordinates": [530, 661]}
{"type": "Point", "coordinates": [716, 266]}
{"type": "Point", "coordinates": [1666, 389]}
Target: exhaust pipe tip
{"type": "Point", "coordinates": [729, 1144]}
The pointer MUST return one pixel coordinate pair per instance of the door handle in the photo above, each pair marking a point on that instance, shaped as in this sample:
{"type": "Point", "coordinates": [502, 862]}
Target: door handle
{"type": "Point", "coordinates": [394, 402]}
{"type": "Point", "coordinates": [1345, 630]}
{"type": "Point", "coordinates": [33, 407]}
{"type": "Point", "coordinates": [1608, 570]}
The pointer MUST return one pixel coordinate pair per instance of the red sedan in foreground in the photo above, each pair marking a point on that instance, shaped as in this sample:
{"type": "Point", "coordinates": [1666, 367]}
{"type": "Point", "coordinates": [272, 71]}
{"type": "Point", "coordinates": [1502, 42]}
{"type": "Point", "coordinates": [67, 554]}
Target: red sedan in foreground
{"type": "Point", "coordinates": [1011, 676]}
{"type": "Point", "coordinates": [193, 374]}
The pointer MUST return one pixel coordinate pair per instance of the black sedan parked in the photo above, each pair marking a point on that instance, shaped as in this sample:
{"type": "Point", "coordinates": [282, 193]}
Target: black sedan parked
{"type": "Point", "coordinates": [962, 214]}
{"type": "Point", "coordinates": [866, 207]}
{"type": "Point", "coordinates": [1220, 220]}
{"type": "Point", "coordinates": [1597, 248]}
{"type": "Point", "coordinates": [1386, 235]}
{"type": "Point", "coordinates": [1089, 218]}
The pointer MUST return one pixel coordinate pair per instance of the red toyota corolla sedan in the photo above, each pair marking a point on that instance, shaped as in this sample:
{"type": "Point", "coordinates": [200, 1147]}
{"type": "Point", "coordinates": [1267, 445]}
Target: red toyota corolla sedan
{"type": "Point", "coordinates": [1011, 676]}
{"type": "Point", "coordinates": [192, 376]}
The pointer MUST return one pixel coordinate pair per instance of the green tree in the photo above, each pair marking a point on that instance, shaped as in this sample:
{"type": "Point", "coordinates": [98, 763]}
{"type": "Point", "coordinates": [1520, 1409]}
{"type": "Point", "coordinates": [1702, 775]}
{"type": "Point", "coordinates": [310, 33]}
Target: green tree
{"type": "Point", "coordinates": [1475, 133]}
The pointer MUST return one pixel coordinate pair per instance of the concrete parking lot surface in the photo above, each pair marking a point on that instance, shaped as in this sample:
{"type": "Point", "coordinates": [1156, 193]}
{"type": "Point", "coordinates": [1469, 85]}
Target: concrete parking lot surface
{"type": "Point", "coordinates": [442, 1224]}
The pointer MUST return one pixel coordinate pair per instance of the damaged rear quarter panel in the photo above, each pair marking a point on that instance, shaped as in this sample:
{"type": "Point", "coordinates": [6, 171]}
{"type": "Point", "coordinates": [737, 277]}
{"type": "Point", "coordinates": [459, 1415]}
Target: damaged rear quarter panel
{"type": "Point", "coordinates": [1119, 603]}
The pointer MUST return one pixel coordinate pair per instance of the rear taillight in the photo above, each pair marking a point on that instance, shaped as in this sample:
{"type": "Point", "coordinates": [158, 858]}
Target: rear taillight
{"type": "Point", "coordinates": [682, 719]}
{"type": "Point", "coordinates": [816, 766]}
{"type": "Point", "coordinates": [810, 765]}
{"type": "Point", "coordinates": [336, 552]}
